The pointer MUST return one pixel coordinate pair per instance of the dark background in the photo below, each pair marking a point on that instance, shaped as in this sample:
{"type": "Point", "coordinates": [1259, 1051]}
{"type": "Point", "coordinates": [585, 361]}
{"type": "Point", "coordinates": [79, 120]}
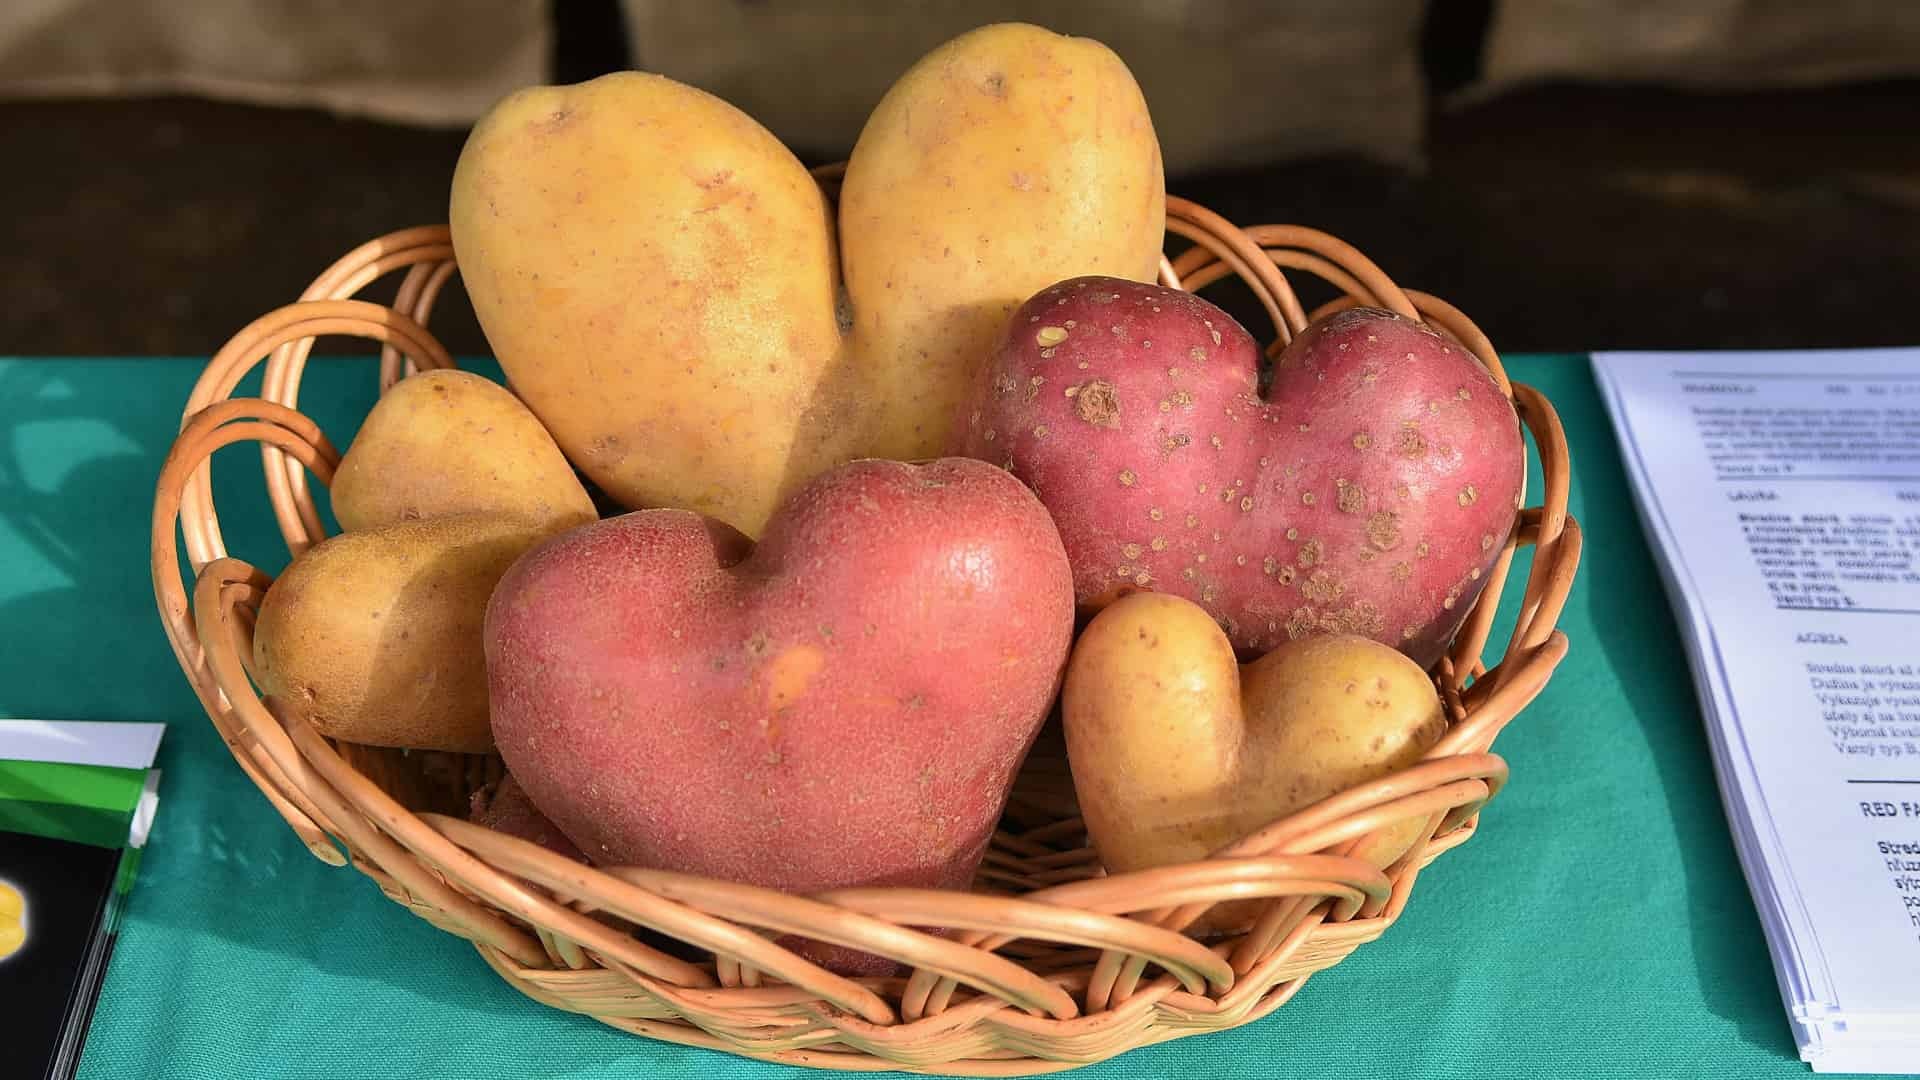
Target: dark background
{"type": "Point", "coordinates": [1560, 217]}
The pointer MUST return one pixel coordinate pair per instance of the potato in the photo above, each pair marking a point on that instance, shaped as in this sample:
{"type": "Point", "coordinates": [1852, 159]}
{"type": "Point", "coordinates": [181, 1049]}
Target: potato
{"type": "Point", "coordinates": [844, 704]}
{"type": "Point", "coordinates": [659, 277]}
{"type": "Point", "coordinates": [1370, 491]}
{"type": "Point", "coordinates": [654, 272]}
{"type": "Point", "coordinates": [451, 442]}
{"type": "Point", "coordinates": [1005, 160]}
{"type": "Point", "coordinates": [375, 636]}
{"type": "Point", "coordinates": [1178, 752]}
{"type": "Point", "coordinates": [505, 808]}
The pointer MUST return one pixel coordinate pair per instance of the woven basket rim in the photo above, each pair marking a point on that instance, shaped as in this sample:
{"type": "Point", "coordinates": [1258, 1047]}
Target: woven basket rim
{"type": "Point", "coordinates": [1060, 965]}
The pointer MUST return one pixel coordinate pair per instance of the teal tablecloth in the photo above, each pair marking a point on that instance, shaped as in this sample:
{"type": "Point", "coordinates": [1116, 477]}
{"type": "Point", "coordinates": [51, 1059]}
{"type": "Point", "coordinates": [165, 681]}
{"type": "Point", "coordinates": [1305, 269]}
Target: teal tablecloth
{"type": "Point", "coordinates": [1597, 925]}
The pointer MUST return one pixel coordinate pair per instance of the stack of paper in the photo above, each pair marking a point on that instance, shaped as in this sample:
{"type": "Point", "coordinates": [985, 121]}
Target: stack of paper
{"type": "Point", "coordinates": [76, 803]}
{"type": "Point", "coordinates": [1780, 493]}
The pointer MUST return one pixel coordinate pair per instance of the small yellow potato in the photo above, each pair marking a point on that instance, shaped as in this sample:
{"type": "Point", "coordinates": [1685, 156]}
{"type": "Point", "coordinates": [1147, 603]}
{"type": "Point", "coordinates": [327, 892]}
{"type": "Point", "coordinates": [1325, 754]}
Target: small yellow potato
{"type": "Point", "coordinates": [452, 442]}
{"type": "Point", "coordinates": [375, 637]}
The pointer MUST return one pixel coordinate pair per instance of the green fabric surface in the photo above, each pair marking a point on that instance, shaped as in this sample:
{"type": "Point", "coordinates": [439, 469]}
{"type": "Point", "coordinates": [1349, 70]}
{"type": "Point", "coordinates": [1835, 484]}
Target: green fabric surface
{"type": "Point", "coordinates": [1597, 925]}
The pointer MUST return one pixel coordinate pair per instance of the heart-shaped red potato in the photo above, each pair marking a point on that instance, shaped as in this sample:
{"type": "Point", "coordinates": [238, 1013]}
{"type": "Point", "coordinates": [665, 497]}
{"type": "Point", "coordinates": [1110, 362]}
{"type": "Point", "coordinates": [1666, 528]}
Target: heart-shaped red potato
{"type": "Point", "coordinates": [1369, 493]}
{"type": "Point", "coordinates": [845, 704]}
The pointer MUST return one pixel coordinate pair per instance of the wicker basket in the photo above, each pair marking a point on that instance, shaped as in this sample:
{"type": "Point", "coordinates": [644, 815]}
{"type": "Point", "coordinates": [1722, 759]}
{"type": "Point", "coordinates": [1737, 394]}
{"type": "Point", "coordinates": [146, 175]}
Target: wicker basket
{"type": "Point", "coordinates": [1047, 964]}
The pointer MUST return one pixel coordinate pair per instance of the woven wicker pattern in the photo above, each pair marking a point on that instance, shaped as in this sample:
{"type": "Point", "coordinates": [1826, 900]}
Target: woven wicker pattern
{"type": "Point", "coordinates": [1046, 964]}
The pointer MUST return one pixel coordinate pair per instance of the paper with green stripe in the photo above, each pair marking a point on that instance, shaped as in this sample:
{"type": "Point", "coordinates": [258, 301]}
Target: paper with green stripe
{"type": "Point", "coordinates": [84, 782]}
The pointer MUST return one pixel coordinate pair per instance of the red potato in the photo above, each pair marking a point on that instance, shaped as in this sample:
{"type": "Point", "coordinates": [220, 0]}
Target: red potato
{"type": "Point", "coordinates": [505, 808]}
{"type": "Point", "coordinates": [1369, 493]}
{"type": "Point", "coordinates": [846, 704]}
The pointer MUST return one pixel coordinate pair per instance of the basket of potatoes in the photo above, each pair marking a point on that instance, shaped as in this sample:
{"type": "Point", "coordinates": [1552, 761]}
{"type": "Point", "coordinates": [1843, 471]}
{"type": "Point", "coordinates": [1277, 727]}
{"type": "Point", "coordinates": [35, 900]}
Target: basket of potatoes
{"type": "Point", "coordinates": [886, 618]}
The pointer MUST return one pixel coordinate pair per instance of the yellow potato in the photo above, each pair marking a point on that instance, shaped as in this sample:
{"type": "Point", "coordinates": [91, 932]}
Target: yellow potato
{"type": "Point", "coordinates": [659, 278]}
{"type": "Point", "coordinates": [1177, 751]}
{"type": "Point", "coordinates": [1006, 160]}
{"type": "Point", "coordinates": [375, 637]}
{"type": "Point", "coordinates": [654, 272]}
{"type": "Point", "coordinates": [451, 442]}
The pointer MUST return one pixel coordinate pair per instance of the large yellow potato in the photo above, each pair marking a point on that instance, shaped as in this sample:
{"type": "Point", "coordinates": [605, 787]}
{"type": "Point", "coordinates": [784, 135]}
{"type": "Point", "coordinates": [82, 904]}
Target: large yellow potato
{"type": "Point", "coordinates": [375, 637]}
{"type": "Point", "coordinates": [658, 276]}
{"type": "Point", "coordinates": [1005, 160]}
{"type": "Point", "coordinates": [1177, 751]}
{"type": "Point", "coordinates": [654, 272]}
{"type": "Point", "coordinates": [452, 442]}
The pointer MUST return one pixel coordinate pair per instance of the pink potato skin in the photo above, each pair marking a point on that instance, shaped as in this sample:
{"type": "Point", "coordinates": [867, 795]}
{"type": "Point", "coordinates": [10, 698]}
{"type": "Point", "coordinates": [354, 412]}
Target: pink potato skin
{"type": "Point", "coordinates": [505, 808]}
{"type": "Point", "coordinates": [1370, 493]}
{"type": "Point", "coordinates": [846, 704]}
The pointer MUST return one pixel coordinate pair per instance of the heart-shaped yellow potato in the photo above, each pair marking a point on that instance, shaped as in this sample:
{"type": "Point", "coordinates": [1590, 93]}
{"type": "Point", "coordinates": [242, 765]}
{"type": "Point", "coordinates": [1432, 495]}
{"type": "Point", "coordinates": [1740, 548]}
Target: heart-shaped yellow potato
{"type": "Point", "coordinates": [1178, 751]}
{"type": "Point", "coordinates": [660, 280]}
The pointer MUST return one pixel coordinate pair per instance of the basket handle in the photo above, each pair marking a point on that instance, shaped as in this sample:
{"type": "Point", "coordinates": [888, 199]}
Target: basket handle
{"type": "Point", "coordinates": [217, 603]}
{"type": "Point", "coordinates": [426, 252]}
{"type": "Point", "coordinates": [214, 427]}
{"type": "Point", "coordinates": [184, 504]}
{"type": "Point", "coordinates": [294, 509]}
